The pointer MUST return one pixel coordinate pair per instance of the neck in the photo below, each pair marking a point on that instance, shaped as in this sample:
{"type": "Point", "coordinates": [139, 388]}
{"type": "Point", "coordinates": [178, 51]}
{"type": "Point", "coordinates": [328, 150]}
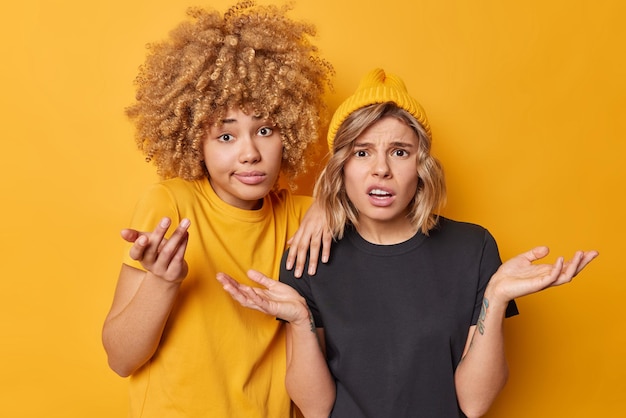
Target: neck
{"type": "Point", "coordinates": [387, 233]}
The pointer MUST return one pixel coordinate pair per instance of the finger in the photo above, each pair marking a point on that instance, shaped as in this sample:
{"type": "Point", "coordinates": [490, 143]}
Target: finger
{"type": "Point", "coordinates": [233, 287]}
{"type": "Point", "coordinates": [248, 297]}
{"type": "Point", "coordinates": [537, 253]}
{"type": "Point", "coordinates": [570, 269]}
{"type": "Point", "coordinates": [236, 292]}
{"type": "Point", "coordinates": [129, 235]}
{"type": "Point", "coordinates": [224, 278]}
{"type": "Point", "coordinates": [138, 249]}
{"type": "Point", "coordinates": [260, 278]}
{"type": "Point", "coordinates": [161, 245]}
{"type": "Point", "coordinates": [291, 255]}
{"type": "Point", "coordinates": [557, 270]}
{"type": "Point", "coordinates": [314, 253]}
{"type": "Point", "coordinates": [155, 239]}
{"type": "Point", "coordinates": [170, 248]}
{"type": "Point", "coordinates": [301, 255]}
{"type": "Point", "coordinates": [178, 267]}
{"type": "Point", "coordinates": [588, 257]}
{"type": "Point", "coordinates": [161, 229]}
{"type": "Point", "coordinates": [179, 255]}
{"type": "Point", "coordinates": [327, 239]}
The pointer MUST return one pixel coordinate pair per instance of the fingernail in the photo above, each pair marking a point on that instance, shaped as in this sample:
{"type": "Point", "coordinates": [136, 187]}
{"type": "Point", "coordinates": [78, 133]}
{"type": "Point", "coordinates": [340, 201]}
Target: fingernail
{"type": "Point", "coordinates": [165, 222]}
{"type": "Point", "coordinates": [185, 223]}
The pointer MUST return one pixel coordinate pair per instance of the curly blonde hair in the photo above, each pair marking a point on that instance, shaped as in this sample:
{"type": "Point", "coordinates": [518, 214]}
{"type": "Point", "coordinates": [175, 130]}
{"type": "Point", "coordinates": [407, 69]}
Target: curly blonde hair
{"type": "Point", "coordinates": [330, 190]}
{"type": "Point", "coordinates": [252, 58]}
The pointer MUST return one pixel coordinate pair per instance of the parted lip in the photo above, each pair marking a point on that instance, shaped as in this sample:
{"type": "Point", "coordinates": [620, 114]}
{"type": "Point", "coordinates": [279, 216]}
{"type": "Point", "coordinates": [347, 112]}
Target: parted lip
{"type": "Point", "coordinates": [376, 190]}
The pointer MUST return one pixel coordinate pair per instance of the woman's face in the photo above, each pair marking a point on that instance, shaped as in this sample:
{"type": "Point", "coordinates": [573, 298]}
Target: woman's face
{"type": "Point", "coordinates": [380, 176]}
{"type": "Point", "coordinates": [243, 155]}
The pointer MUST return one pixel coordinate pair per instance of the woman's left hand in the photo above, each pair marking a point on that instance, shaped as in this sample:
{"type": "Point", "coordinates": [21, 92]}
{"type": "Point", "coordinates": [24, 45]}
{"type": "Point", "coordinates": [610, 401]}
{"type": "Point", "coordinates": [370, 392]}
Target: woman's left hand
{"type": "Point", "coordinates": [519, 276]}
{"type": "Point", "coordinates": [274, 298]}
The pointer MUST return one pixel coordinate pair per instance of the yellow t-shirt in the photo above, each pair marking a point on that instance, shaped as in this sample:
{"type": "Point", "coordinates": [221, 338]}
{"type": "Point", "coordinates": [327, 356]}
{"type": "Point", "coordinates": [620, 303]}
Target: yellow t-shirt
{"type": "Point", "coordinates": [217, 359]}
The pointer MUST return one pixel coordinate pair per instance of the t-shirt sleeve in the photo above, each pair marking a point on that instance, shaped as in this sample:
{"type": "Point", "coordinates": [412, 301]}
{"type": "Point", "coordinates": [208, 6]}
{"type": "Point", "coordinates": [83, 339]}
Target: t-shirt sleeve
{"type": "Point", "coordinates": [156, 203]}
{"type": "Point", "coordinates": [303, 286]}
{"type": "Point", "coordinates": [489, 264]}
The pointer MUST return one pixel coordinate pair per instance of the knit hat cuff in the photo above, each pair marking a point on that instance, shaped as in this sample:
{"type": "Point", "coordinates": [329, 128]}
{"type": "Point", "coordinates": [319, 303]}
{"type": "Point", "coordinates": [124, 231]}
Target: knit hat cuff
{"type": "Point", "coordinates": [377, 87]}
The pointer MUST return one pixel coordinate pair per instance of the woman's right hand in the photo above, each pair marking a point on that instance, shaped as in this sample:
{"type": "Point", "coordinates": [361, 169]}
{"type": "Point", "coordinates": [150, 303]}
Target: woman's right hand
{"type": "Point", "coordinates": [163, 257]}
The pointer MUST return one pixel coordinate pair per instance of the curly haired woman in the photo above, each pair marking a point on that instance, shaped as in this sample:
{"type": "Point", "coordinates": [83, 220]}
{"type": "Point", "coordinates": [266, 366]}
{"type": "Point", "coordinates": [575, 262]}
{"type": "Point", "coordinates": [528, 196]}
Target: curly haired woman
{"type": "Point", "coordinates": [224, 106]}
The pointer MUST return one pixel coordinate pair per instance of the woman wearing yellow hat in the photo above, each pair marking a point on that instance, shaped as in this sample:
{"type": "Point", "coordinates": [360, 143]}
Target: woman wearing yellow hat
{"type": "Point", "coordinates": [406, 317]}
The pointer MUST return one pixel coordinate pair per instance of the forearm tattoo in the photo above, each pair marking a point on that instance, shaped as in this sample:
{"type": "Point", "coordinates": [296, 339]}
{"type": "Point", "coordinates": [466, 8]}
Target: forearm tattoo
{"type": "Point", "coordinates": [480, 324]}
{"type": "Point", "coordinates": [481, 318]}
{"type": "Point", "coordinates": [311, 320]}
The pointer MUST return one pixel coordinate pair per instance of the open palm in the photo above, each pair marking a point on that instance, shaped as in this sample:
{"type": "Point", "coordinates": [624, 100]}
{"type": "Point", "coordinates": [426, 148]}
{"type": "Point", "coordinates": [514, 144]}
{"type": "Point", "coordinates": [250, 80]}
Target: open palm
{"type": "Point", "coordinates": [273, 298]}
{"type": "Point", "coordinates": [520, 276]}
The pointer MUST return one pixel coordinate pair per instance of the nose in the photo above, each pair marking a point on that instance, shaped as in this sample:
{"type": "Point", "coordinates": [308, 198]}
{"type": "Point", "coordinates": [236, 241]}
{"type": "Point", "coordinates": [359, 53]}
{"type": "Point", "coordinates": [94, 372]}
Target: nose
{"type": "Point", "coordinates": [380, 166]}
{"type": "Point", "coordinates": [249, 152]}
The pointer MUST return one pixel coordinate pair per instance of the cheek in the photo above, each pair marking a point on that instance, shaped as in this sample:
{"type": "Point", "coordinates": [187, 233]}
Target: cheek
{"type": "Point", "coordinates": [274, 152]}
{"type": "Point", "coordinates": [215, 160]}
{"type": "Point", "coordinates": [351, 182]}
{"type": "Point", "coordinates": [411, 184]}
{"type": "Point", "coordinates": [206, 151]}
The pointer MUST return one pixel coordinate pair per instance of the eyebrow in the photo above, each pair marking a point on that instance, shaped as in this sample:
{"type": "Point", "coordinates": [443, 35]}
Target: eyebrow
{"type": "Point", "coordinates": [401, 144]}
{"type": "Point", "coordinates": [233, 120]}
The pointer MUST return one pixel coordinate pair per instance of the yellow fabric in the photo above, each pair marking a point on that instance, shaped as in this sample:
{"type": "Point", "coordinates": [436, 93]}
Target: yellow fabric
{"type": "Point", "coordinates": [217, 359]}
{"type": "Point", "coordinates": [377, 87]}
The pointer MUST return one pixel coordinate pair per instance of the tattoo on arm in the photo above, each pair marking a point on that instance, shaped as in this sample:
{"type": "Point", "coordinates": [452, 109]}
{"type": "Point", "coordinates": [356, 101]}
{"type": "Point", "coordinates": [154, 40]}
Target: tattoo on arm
{"type": "Point", "coordinates": [481, 318]}
{"type": "Point", "coordinates": [311, 320]}
{"type": "Point", "coordinates": [480, 324]}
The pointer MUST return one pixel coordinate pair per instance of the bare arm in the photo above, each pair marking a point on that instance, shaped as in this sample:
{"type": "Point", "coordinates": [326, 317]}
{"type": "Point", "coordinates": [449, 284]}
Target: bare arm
{"type": "Point", "coordinates": [308, 380]}
{"type": "Point", "coordinates": [483, 371]}
{"type": "Point", "coordinates": [143, 299]}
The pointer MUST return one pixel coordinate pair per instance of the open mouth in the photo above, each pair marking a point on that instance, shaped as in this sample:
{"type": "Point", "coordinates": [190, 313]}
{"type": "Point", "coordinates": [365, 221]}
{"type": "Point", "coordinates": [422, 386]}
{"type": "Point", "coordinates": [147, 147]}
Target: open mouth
{"type": "Point", "coordinates": [378, 193]}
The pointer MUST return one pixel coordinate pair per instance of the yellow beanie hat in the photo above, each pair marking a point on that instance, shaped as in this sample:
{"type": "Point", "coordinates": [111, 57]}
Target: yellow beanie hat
{"type": "Point", "coordinates": [377, 87]}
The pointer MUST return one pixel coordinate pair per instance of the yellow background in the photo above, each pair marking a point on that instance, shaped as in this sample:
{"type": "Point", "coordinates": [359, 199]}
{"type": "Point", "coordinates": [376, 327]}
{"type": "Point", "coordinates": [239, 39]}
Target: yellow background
{"type": "Point", "coordinates": [526, 100]}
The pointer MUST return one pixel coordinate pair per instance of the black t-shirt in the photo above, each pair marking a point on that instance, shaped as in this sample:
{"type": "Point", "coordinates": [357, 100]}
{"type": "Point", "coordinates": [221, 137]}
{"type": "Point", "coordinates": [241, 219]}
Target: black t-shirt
{"type": "Point", "coordinates": [396, 317]}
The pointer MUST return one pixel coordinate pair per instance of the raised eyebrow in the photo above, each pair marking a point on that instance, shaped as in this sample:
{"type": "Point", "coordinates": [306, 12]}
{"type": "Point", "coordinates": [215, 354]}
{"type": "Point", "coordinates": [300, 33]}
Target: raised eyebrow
{"type": "Point", "coordinates": [233, 120]}
{"type": "Point", "coordinates": [227, 120]}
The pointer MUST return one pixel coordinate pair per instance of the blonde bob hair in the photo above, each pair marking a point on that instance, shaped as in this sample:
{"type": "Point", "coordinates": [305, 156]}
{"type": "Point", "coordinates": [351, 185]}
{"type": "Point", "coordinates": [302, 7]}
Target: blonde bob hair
{"type": "Point", "coordinates": [252, 58]}
{"type": "Point", "coordinates": [330, 191]}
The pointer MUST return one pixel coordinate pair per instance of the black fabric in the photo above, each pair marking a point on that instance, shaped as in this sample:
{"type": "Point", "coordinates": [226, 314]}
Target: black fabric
{"type": "Point", "coordinates": [396, 317]}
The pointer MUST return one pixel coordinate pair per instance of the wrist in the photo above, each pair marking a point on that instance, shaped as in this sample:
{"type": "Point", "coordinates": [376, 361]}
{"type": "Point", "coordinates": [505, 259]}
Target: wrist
{"type": "Point", "coordinates": [162, 281]}
{"type": "Point", "coordinates": [304, 318]}
{"type": "Point", "coordinates": [495, 300]}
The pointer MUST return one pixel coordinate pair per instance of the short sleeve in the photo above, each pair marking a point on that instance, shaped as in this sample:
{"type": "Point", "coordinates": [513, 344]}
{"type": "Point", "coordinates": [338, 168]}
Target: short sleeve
{"type": "Point", "coordinates": [303, 286]}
